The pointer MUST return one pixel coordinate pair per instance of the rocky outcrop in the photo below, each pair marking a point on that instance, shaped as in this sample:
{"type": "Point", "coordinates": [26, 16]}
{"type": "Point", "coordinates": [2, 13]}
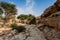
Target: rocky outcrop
{"type": "Point", "coordinates": [51, 16]}
{"type": "Point", "coordinates": [49, 22]}
{"type": "Point", "coordinates": [49, 32]}
{"type": "Point", "coordinates": [31, 33]}
{"type": "Point", "coordinates": [52, 9]}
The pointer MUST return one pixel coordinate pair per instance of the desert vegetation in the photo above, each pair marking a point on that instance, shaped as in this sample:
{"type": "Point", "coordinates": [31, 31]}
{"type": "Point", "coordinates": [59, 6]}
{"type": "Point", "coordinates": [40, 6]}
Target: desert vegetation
{"type": "Point", "coordinates": [18, 28]}
{"type": "Point", "coordinates": [8, 17]}
{"type": "Point", "coordinates": [28, 26]}
{"type": "Point", "coordinates": [28, 19]}
{"type": "Point", "coordinates": [8, 10]}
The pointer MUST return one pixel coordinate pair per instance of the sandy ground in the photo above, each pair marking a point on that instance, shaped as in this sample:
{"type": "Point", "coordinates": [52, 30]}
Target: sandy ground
{"type": "Point", "coordinates": [8, 28]}
{"type": "Point", "coordinates": [4, 29]}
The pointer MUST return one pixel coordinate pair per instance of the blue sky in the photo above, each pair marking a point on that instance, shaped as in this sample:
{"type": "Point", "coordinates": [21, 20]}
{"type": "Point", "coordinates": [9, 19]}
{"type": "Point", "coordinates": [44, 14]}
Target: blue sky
{"type": "Point", "coordinates": [35, 7]}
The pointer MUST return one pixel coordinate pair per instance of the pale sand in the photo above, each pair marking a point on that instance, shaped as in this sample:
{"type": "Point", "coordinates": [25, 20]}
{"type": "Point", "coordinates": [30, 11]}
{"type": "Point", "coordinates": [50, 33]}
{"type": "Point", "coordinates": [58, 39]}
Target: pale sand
{"type": "Point", "coordinates": [4, 29]}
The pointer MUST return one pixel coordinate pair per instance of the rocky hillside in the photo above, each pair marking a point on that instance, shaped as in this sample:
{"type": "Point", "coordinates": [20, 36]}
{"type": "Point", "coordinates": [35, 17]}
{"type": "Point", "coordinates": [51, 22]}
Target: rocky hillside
{"type": "Point", "coordinates": [49, 22]}
{"type": "Point", "coordinates": [31, 33]}
{"type": "Point", "coordinates": [51, 15]}
{"type": "Point", "coordinates": [52, 9]}
{"type": "Point", "coordinates": [47, 27]}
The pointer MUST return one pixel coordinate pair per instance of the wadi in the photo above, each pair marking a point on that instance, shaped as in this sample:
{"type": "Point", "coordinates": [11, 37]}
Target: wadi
{"type": "Point", "coordinates": [28, 26]}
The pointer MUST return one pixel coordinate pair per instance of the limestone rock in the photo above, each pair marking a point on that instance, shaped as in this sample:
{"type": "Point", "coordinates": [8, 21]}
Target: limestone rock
{"type": "Point", "coordinates": [31, 33]}
{"type": "Point", "coordinates": [52, 9]}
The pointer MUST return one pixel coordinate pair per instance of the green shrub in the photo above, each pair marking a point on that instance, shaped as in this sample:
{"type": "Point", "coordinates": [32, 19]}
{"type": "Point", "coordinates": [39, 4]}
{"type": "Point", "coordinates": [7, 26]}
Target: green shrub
{"type": "Point", "coordinates": [14, 26]}
{"type": "Point", "coordinates": [22, 16]}
{"type": "Point", "coordinates": [18, 28]}
{"type": "Point", "coordinates": [33, 21]}
{"type": "Point", "coordinates": [21, 29]}
{"type": "Point", "coordinates": [30, 18]}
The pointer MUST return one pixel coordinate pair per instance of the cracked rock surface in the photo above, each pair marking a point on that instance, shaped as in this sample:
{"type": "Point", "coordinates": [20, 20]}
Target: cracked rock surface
{"type": "Point", "coordinates": [31, 33]}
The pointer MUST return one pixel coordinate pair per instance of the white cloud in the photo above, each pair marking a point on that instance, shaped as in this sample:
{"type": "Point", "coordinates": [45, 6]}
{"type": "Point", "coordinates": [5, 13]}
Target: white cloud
{"type": "Point", "coordinates": [12, 3]}
{"type": "Point", "coordinates": [28, 9]}
{"type": "Point", "coordinates": [29, 6]}
{"type": "Point", "coordinates": [20, 10]}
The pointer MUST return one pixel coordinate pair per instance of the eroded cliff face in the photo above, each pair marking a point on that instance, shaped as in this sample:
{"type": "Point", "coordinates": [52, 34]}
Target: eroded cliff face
{"type": "Point", "coordinates": [51, 16]}
{"type": "Point", "coordinates": [52, 9]}
{"type": "Point", "coordinates": [50, 21]}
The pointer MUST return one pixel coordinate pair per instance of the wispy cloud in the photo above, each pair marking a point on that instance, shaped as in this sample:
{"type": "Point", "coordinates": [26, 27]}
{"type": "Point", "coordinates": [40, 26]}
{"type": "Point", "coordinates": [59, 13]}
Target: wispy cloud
{"type": "Point", "coordinates": [29, 6]}
{"type": "Point", "coordinates": [12, 3]}
{"type": "Point", "coordinates": [20, 10]}
{"type": "Point", "coordinates": [28, 9]}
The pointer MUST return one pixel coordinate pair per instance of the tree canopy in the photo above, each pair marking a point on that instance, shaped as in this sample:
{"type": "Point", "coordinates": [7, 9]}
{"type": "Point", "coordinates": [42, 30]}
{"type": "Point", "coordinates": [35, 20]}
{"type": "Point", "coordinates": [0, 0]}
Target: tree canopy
{"type": "Point", "coordinates": [30, 18]}
{"type": "Point", "coordinates": [9, 11]}
{"type": "Point", "coordinates": [1, 11]}
{"type": "Point", "coordinates": [9, 8]}
{"type": "Point", "coordinates": [24, 16]}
